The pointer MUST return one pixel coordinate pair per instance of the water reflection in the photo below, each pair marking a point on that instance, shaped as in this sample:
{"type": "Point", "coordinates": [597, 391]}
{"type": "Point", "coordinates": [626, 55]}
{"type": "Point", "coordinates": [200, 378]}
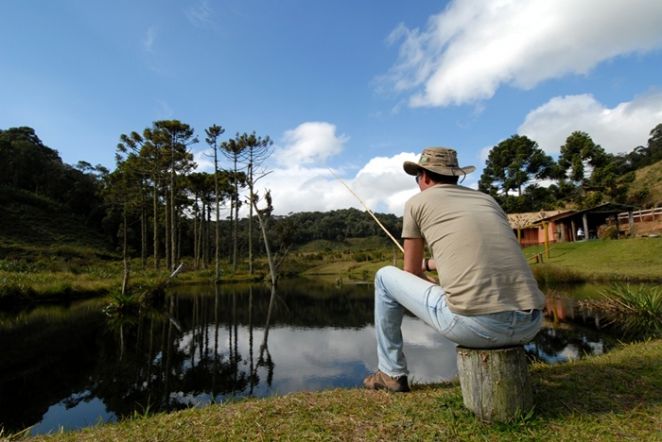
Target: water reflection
{"type": "Point", "coordinates": [70, 367]}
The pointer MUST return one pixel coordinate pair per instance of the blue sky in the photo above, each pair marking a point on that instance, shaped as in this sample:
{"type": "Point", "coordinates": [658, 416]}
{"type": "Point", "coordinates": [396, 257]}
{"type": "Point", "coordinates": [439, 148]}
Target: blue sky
{"type": "Point", "coordinates": [355, 86]}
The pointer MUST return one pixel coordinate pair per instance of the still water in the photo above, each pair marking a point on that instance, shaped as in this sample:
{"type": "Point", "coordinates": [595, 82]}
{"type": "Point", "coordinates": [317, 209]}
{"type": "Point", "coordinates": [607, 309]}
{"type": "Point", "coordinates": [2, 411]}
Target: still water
{"type": "Point", "coordinates": [73, 366]}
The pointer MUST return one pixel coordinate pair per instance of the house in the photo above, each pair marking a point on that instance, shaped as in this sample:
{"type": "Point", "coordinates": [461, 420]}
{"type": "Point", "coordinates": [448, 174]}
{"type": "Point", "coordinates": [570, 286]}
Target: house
{"type": "Point", "coordinates": [590, 220]}
{"type": "Point", "coordinates": [531, 227]}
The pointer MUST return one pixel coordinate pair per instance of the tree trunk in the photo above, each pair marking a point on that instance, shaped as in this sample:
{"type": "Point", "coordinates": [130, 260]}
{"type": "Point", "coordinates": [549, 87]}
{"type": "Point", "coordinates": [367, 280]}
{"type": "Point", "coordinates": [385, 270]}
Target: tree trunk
{"type": "Point", "coordinates": [217, 239]}
{"type": "Point", "coordinates": [173, 245]}
{"type": "Point", "coordinates": [166, 238]}
{"type": "Point", "coordinates": [263, 227]}
{"type": "Point", "coordinates": [195, 233]}
{"type": "Point", "coordinates": [155, 204]}
{"type": "Point", "coordinates": [495, 383]}
{"type": "Point", "coordinates": [208, 237]}
{"type": "Point", "coordinates": [125, 257]}
{"type": "Point", "coordinates": [236, 218]}
{"type": "Point", "coordinates": [143, 236]}
{"type": "Point", "coordinates": [178, 243]}
{"type": "Point", "coordinates": [250, 217]}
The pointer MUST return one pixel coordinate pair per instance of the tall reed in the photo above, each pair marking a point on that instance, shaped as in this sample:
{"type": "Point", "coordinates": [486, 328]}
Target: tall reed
{"type": "Point", "coordinates": [636, 310]}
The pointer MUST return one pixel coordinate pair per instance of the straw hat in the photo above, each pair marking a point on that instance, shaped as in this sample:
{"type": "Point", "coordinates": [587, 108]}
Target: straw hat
{"type": "Point", "coordinates": [441, 160]}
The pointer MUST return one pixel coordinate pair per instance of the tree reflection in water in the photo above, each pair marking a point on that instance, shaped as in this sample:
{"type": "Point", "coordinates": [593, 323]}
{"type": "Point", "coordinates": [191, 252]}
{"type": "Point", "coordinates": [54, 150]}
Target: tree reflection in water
{"type": "Point", "coordinates": [209, 344]}
{"type": "Point", "coordinates": [569, 332]}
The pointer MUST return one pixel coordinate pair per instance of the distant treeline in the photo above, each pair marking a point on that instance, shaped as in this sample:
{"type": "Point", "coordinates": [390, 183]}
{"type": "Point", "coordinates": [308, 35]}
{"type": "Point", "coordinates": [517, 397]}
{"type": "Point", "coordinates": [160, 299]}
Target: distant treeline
{"type": "Point", "coordinates": [337, 225]}
{"type": "Point", "coordinates": [27, 164]}
{"type": "Point", "coordinates": [97, 196]}
{"type": "Point", "coordinates": [164, 209]}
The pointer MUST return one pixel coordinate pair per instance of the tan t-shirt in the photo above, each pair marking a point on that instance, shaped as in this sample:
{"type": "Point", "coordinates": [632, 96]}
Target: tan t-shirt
{"type": "Point", "coordinates": [480, 265]}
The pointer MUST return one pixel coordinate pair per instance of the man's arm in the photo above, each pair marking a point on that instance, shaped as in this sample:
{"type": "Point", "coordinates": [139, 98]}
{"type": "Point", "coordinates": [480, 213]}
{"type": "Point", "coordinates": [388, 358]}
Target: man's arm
{"type": "Point", "coordinates": [414, 248]}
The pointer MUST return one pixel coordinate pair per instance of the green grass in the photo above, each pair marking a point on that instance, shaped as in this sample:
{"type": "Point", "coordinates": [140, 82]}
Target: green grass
{"type": "Point", "coordinates": [635, 259]}
{"type": "Point", "coordinates": [34, 220]}
{"type": "Point", "coordinates": [35, 272]}
{"type": "Point", "coordinates": [647, 187]}
{"type": "Point", "coordinates": [613, 397]}
{"type": "Point", "coordinates": [41, 278]}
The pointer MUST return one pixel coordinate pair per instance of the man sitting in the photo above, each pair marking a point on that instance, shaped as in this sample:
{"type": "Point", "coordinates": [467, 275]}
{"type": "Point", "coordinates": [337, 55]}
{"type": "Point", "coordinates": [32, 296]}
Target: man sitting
{"type": "Point", "coordinates": [487, 296]}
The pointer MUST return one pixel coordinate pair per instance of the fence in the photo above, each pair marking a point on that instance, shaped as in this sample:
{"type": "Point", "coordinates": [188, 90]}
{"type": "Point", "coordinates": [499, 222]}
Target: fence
{"type": "Point", "coordinates": [641, 216]}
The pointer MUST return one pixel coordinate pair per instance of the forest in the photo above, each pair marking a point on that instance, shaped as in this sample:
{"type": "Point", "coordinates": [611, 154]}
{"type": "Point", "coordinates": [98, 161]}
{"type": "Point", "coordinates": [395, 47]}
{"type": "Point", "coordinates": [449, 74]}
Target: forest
{"type": "Point", "coordinates": [154, 204]}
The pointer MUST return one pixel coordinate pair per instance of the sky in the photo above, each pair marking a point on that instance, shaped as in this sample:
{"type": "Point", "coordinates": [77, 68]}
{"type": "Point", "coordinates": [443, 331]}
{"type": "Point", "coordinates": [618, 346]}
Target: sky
{"type": "Point", "coordinates": [350, 86]}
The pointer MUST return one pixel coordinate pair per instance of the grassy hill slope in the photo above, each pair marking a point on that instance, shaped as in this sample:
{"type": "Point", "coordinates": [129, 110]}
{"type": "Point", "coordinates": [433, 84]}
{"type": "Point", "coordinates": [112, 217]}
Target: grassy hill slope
{"type": "Point", "coordinates": [647, 186]}
{"type": "Point", "coordinates": [31, 224]}
{"type": "Point", "coordinates": [635, 259]}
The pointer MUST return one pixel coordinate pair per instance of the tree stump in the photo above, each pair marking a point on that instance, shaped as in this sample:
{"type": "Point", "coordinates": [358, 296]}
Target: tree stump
{"type": "Point", "coordinates": [495, 382]}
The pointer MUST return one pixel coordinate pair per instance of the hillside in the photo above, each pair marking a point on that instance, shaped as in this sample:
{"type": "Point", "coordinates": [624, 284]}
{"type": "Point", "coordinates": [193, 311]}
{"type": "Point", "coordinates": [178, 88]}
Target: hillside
{"type": "Point", "coordinates": [647, 186]}
{"type": "Point", "coordinates": [31, 223]}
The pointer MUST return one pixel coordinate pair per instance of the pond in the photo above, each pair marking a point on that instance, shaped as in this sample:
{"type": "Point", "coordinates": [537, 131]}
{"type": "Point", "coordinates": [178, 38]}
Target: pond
{"type": "Point", "coordinates": [71, 366]}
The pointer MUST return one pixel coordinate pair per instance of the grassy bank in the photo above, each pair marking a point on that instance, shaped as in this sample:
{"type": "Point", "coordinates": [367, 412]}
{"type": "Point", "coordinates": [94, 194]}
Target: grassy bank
{"type": "Point", "coordinates": [33, 274]}
{"type": "Point", "coordinates": [636, 259]}
{"type": "Point", "coordinates": [617, 396]}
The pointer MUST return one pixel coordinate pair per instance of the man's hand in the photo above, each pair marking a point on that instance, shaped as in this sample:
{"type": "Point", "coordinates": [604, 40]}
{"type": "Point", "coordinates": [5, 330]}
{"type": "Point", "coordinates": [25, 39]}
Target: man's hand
{"type": "Point", "coordinates": [428, 265]}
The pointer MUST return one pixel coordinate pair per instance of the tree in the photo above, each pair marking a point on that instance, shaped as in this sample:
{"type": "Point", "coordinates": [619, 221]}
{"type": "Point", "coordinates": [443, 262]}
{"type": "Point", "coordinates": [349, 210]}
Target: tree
{"type": "Point", "coordinates": [590, 169]}
{"type": "Point", "coordinates": [511, 165]}
{"type": "Point", "coordinates": [197, 184]}
{"type": "Point", "coordinates": [213, 132]}
{"type": "Point", "coordinates": [177, 136]}
{"type": "Point", "coordinates": [655, 144]}
{"type": "Point", "coordinates": [580, 156]}
{"type": "Point", "coordinates": [130, 146]}
{"type": "Point", "coordinates": [233, 149]}
{"type": "Point", "coordinates": [256, 149]}
{"type": "Point", "coordinates": [643, 156]}
{"type": "Point", "coordinates": [263, 216]}
{"type": "Point", "coordinates": [27, 164]}
{"type": "Point", "coordinates": [124, 190]}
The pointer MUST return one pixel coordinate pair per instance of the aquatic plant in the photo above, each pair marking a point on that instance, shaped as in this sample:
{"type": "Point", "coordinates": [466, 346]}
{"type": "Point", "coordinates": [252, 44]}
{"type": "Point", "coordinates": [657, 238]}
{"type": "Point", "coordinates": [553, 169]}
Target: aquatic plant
{"type": "Point", "coordinates": [636, 310]}
{"type": "Point", "coordinates": [121, 303]}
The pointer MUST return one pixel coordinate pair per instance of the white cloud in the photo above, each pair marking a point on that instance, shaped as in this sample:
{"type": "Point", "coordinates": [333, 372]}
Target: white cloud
{"type": "Point", "coordinates": [617, 130]}
{"type": "Point", "coordinates": [296, 185]}
{"type": "Point", "coordinates": [310, 142]}
{"type": "Point", "coordinates": [472, 48]}
{"type": "Point", "coordinates": [200, 15]}
{"type": "Point", "coordinates": [149, 39]}
{"type": "Point", "coordinates": [381, 184]}
{"type": "Point", "coordinates": [485, 153]}
{"type": "Point", "coordinates": [164, 110]}
{"type": "Point", "coordinates": [205, 160]}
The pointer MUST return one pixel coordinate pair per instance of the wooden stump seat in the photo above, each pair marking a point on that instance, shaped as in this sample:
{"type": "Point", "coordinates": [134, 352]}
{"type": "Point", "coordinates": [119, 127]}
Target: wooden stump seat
{"type": "Point", "coordinates": [495, 382]}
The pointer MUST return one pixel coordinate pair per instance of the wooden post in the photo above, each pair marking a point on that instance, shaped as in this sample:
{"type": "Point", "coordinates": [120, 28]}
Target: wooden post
{"type": "Point", "coordinates": [546, 227]}
{"type": "Point", "coordinates": [495, 382]}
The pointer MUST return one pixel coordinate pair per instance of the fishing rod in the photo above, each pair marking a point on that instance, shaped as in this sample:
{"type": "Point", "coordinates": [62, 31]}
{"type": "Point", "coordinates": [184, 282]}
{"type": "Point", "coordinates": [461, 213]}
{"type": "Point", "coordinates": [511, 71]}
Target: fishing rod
{"type": "Point", "coordinates": [369, 211]}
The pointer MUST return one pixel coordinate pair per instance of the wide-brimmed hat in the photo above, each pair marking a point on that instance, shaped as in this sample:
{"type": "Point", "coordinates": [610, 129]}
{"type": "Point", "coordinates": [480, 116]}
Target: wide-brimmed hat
{"type": "Point", "coordinates": [441, 160]}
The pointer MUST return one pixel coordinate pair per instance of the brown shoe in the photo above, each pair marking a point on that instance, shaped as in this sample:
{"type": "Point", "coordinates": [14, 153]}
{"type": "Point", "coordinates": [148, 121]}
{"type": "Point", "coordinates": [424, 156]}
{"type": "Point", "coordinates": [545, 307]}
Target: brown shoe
{"type": "Point", "coordinates": [382, 381]}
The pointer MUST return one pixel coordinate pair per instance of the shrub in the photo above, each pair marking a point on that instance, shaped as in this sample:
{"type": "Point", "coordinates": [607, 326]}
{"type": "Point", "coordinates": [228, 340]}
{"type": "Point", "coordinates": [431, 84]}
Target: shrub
{"type": "Point", "coordinates": [607, 232]}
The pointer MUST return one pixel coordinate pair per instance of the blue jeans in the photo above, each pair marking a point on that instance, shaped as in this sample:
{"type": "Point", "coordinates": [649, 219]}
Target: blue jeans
{"type": "Point", "coordinates": [397, 290]}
